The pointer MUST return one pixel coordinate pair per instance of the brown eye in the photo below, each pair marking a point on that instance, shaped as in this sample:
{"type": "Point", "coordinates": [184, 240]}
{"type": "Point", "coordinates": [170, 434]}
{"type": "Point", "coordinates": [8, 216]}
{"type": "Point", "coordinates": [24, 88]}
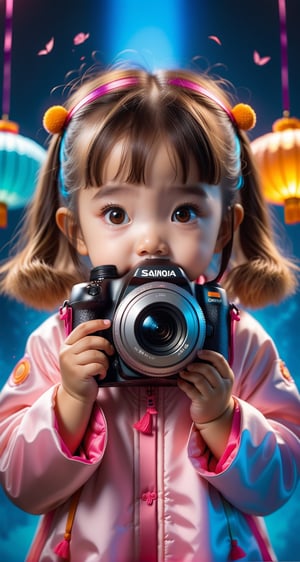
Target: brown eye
{"type": "Point", "coordinates": [116, 215]}
{"type": "Point", "coordinates": [184, 214]}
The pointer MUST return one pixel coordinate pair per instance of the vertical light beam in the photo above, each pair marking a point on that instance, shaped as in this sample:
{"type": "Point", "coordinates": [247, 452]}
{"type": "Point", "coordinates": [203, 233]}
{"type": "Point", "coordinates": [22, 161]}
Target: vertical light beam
{"type": "Point", "coordinates": [149, 33]}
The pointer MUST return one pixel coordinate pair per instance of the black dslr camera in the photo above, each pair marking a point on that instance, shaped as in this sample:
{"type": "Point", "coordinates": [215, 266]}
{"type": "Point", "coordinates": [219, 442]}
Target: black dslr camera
{"type": "Point", "coordinates": [159, 319]}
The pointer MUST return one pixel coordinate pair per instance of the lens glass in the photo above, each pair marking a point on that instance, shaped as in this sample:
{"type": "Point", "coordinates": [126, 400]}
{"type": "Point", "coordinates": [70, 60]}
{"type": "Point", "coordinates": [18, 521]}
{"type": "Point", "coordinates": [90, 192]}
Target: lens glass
{"type": "Point", "coordinates": [160, 330]}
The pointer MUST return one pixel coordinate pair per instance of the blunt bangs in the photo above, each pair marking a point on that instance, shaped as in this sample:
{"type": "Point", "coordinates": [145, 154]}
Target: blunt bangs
{"type": "Point", "coordinates": [139, 123]}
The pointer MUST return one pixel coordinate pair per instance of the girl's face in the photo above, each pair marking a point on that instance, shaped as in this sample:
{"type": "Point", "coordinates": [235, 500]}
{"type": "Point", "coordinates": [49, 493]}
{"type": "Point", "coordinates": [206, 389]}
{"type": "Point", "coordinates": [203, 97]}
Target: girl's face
{"type": "Point", "coordinates": [122, 223]}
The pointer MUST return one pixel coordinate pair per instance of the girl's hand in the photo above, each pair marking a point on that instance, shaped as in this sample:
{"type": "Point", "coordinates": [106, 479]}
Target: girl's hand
{"type": "Point", "coordinates": [83, 356]}
{"type": "Point", "coordinates": [208, 384]}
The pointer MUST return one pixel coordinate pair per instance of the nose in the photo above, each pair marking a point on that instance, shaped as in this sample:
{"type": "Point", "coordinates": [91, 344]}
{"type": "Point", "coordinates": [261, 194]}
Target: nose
{"type": "Point", "coordinates": [150, 242]}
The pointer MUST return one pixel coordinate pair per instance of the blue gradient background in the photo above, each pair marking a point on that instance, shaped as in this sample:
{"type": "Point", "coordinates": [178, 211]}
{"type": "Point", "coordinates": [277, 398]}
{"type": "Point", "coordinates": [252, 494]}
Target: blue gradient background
{"type": "Point", "coordinates": [154, 34]}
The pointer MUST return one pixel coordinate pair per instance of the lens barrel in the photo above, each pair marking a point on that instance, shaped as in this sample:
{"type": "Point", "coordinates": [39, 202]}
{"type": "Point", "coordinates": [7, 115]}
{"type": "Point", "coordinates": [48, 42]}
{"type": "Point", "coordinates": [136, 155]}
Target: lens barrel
{"type": "Point", "coordinates": [158, 328]}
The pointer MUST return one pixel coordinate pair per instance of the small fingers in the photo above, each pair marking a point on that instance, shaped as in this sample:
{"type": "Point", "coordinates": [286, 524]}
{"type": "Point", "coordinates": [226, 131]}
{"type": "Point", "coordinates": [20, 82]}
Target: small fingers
{"type": "Point", "coordinates": [97, 343]}
{"type": "Point", "coordinates": [93, 356]}
{"type": "Point", "coordinates": [199, 382]}
{"type": "Point", "coordinates": [217, 361]}
{"type": "Point", "coordinates": [211, 374]}
{"type": "Point", "coordinates": [87, 328]}
{"type": "Point", "coordinates": [188, 387]}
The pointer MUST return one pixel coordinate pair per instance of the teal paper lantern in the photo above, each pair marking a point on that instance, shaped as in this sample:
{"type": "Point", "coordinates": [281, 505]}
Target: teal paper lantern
{"type": "Point", "coordinates": [20, 161]}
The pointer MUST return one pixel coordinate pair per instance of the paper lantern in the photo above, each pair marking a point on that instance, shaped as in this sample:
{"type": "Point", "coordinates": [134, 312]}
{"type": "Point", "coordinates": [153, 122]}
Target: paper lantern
{"type": "Point", "coordinates": [277, 155]}
{"type": "Point", "coordinates": [20, 162]}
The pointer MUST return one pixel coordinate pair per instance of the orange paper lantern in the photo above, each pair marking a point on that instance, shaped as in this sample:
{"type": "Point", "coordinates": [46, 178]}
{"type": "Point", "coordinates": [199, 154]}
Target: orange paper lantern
{"type": "Point", "coordinates": [277, 155]}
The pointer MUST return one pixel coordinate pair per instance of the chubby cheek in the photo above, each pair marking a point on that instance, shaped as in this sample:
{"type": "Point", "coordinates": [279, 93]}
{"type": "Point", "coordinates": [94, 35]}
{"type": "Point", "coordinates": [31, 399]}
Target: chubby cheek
{"type": "Point", "coordinates": [194, 258]}
{"type": "Point", "coordinates": [110, 252]}
{"type": "Point", "coordinates": [104, 256]}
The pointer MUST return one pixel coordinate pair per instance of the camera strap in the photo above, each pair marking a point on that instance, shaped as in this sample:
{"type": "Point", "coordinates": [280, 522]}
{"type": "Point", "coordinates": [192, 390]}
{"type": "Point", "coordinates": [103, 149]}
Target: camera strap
{"type": "Point", "coordinates": [227, 250]}
{"type": "Point", "coordinates": [65, 314]}
{"type": "Point", "coordinates": [234, 317]}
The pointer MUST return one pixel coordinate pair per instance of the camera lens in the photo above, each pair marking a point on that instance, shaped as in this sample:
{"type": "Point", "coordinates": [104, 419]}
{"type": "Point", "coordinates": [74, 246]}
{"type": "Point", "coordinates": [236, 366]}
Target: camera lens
{"type": "Point", "coordinates": [159, 330]}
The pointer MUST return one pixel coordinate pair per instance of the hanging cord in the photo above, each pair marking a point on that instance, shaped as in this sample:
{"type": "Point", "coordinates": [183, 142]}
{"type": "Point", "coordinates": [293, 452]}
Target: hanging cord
{"type": "Point", "coordinates": [7, 59]}
{"type": "Point", "coordinates": [236, 552]}
{"type": "Point", "coordinates": [63, 548]}
{"type": "Point", "coordinates": [226, 252]}
{"type": "Point", "coordinates": [284, 58]}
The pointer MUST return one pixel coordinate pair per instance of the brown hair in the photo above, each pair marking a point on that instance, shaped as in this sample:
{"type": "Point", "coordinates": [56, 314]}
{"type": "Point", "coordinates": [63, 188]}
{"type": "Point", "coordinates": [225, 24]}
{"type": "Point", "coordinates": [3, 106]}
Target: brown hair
{"type": "Point", "coordinates": [261, 275]}
{"type": "Point", "coordinates": [45, 264]}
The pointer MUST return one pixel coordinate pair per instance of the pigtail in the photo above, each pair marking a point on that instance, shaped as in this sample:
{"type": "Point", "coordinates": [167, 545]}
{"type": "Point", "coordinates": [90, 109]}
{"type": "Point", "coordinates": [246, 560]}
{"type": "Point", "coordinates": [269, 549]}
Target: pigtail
{"type": "Point", "coordinates": [44, 264]}
{"type": "Point", "coordinates": [262, 275]}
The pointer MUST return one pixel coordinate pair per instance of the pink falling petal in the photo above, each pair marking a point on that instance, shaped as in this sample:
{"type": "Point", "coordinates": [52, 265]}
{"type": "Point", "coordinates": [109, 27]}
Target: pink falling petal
{"type": "Point", "coordinates": [80, 38]}
{"type": "Point", "coordinates": [48, 47]}
{"type": "Point", "coordinates": [215, 38]}
{"type": "Point", "coordinates": [260, 61]}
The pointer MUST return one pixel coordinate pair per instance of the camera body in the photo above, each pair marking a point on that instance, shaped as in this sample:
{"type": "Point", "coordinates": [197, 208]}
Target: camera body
{"type": "Point", "coordinates": [160, 319]}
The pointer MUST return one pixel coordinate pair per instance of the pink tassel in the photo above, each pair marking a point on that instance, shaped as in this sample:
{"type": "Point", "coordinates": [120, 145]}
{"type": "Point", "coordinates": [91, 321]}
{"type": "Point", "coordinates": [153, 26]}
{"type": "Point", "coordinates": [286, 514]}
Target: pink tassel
{"type": "Point", "coordinates": [236, 552]}
{"type": "Point", "coordinates": [145, 424]}
{"type": "Point", "coordinates": [63, 548]}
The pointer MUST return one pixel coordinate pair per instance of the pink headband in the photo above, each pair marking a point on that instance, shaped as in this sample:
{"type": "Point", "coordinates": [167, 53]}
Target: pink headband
{"type": "Point", "coordinates": [189, 85]}
{"type": "Point", "coordinates": [57, 117]}
{"type": "Point", "coordinates": [118, 84]}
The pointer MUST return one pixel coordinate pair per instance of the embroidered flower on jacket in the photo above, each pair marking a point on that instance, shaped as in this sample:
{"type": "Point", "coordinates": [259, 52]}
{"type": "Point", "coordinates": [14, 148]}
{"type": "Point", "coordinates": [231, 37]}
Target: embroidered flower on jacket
{"type": "Point", "coordinates": [21, 371]}
{"type": "Point", "coordinates": [285, 372]}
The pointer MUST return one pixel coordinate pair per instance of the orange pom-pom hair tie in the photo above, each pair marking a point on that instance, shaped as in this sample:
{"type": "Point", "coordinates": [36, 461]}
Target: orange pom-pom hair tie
{"type": "Point", "coordinates": [56, 118]}
{"type": "Point", "coordinates": [242, 115]}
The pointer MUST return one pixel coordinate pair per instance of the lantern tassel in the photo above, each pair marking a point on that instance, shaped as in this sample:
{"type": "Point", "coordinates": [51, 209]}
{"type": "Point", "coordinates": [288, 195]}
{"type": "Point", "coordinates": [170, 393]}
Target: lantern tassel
{"type": "Point", "coordinates": [3, 215]}
{"type": "Point", "coordinates": [292, 210]}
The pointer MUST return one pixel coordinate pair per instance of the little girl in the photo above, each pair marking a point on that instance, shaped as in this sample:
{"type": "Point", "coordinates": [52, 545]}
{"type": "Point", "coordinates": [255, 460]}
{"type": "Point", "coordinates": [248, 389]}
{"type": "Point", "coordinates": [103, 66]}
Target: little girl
{"type": "Point", "coordinates": [148, 166]}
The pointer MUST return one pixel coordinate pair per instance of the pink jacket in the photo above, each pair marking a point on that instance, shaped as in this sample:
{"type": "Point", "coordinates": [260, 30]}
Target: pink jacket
{"type": "Point", "coordinates": [158, 496]}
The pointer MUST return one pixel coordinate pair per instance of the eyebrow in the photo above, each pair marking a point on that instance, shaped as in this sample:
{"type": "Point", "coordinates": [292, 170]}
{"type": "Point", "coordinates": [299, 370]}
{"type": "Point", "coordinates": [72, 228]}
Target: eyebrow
{"type": "Point", "coordinates": [196, 190]}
